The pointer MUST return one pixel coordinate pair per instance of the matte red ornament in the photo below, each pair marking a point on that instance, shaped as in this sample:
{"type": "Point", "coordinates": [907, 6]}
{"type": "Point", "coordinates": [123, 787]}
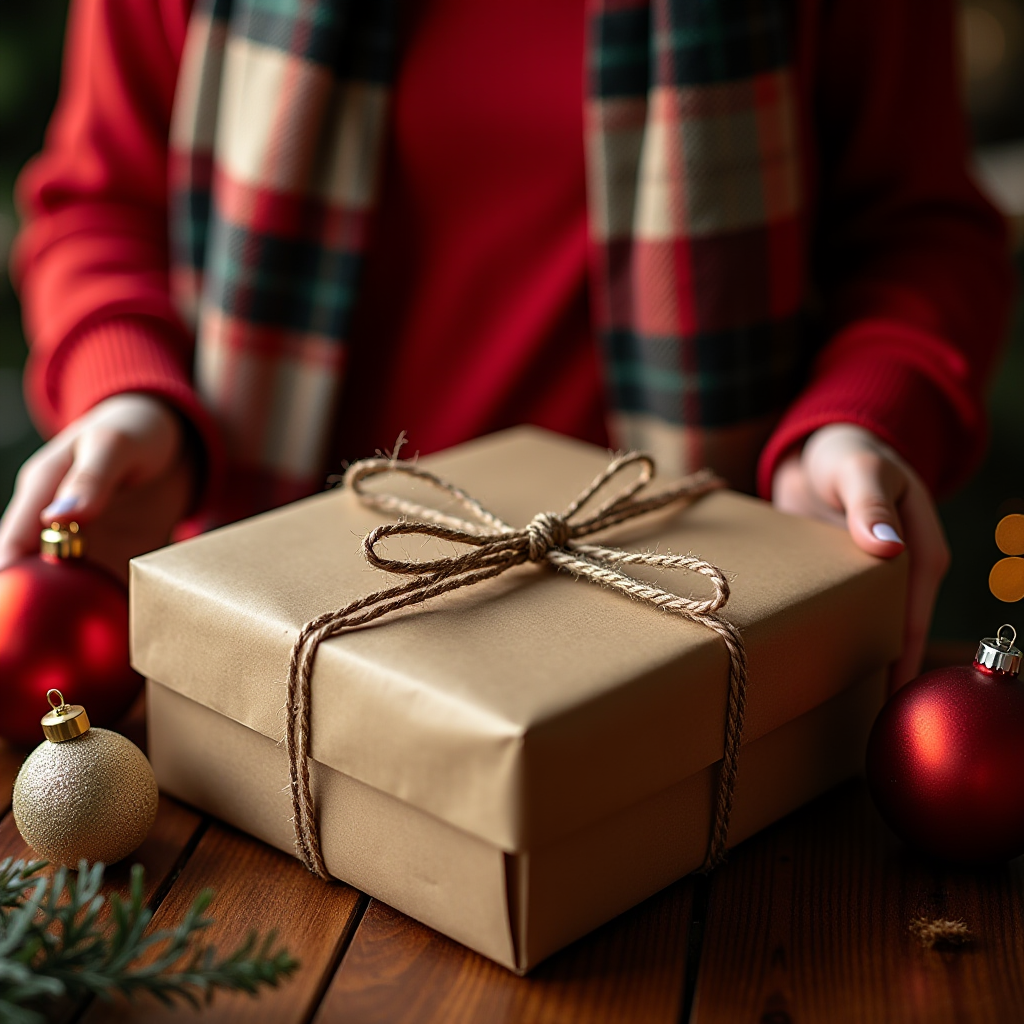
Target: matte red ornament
{"type": "Point", "coordinates": [945, 759]}
{"type": "Point", "coordinates": [63, 626]}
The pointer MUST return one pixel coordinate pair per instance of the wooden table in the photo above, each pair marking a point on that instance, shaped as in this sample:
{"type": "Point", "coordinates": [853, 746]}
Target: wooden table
{"type": "Point", "coordinates": [807, 922]}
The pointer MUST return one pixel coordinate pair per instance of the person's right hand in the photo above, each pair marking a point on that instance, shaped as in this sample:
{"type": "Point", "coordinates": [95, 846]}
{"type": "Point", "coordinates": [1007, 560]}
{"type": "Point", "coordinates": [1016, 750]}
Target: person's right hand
{"type": "Point", "coordinates": [122, 471]}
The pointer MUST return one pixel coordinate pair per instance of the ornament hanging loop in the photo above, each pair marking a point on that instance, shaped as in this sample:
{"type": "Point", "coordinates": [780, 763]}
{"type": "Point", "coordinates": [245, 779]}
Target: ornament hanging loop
{"type": "Point", "coordinates": [1003, 642]}
{"type": "Point", "coordinates": [62, 707]}
{"type": "Point", "coordinates": [65, 721]}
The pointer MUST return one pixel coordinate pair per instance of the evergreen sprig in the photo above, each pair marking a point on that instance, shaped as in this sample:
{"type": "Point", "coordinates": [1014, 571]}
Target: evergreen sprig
{"type": "Point", "coordinates": [53, 944]}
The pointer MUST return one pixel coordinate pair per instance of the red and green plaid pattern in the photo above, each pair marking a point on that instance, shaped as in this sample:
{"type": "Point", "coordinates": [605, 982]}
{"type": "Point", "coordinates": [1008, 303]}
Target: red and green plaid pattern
{"type": "Point", "coordinates": [693, 188]}
{"type": "Point", "coordinates": [695, 216]}
{"type": "Point", "coordinates": [275, 145]}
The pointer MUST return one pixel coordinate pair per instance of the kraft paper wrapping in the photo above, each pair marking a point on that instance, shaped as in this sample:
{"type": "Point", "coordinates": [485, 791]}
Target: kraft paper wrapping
{"type": "Point", "coordinates": [527, 707]}
{"type": "Point", "coordinates": [516, 909]}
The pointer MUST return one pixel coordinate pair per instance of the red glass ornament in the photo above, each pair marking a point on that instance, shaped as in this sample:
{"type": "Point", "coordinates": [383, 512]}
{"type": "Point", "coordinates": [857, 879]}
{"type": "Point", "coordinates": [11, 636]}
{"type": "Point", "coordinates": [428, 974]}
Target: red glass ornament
{"type": "Point", "coordinates": [63, 626]}
{"type": "Point", "coordinates": [945, 759]}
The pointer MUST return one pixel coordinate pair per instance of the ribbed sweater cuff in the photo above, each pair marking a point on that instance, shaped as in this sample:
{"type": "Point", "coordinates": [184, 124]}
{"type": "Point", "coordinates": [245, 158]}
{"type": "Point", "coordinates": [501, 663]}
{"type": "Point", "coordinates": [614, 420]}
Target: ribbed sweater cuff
{"type": "Point", "coordinates": [132, 354]}
{"type": "Point", "coordinates": [908, 388]}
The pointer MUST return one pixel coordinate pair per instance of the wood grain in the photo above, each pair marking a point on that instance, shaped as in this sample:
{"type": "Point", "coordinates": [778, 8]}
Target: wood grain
{"type": "Point", "coordinates": [809, 922]}
{"type": "Point", "coordinates": [257, 888]}
{"type": "Point", "coordinates": [160, 854]}
{"type": "Point", "coordinates": [401, 972]}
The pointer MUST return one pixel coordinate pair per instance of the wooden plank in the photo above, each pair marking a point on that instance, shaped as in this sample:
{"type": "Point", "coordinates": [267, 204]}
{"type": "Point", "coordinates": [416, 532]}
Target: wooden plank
{"type": "Point", "coordinates": [257, 888]}
{"type": "Point", "coordinates": [160, 854]}
{"type": "Point", "coordinates": [809, 922]}
{"type": "Point", "coordinates": [401, 972]}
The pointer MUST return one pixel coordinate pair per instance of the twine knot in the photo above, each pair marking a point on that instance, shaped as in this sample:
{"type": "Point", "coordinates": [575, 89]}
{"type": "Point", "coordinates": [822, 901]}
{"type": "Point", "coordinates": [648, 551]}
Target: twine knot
{"type": "Point", "coordinates": [494, 547]}
{"type": "Point", "coordinates": [546, 530]}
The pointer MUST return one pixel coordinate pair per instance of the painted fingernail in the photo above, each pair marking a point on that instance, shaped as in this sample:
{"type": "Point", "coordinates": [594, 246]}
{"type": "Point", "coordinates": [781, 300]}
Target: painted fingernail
{"type": "Point", "coordinates": [883, 531]}
{"type": "Point", "coordinates": [62, 505]}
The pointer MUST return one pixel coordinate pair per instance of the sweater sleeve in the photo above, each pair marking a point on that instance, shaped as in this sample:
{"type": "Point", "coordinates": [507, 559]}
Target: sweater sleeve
{"type": "Point", "coordinates": [91, 262]}
{"type": "Point", "coordinates": [910, 261]}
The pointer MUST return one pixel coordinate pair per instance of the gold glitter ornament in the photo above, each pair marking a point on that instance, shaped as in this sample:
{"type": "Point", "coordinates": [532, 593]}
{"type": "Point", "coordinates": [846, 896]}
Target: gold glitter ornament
{"type": "Point", "coordinates": [83, 793]}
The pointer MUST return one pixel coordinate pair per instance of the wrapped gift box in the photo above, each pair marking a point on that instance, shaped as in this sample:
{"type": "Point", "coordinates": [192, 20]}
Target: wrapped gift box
{"type": "Point", "coordinates": [515, 763]}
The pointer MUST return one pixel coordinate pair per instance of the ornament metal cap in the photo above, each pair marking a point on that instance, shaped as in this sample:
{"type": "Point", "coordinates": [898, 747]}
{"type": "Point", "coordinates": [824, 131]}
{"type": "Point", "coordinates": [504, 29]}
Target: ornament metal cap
{"type": "Point", "coordinates": [65, 721]}
{"type": "Point", "coordinates": [61, 541]}
{"type": "Point", "coordinates": [998, 653]}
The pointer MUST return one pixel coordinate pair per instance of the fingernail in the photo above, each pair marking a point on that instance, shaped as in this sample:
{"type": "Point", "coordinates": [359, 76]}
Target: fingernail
{"type": "Point", "coordinates": [62, 505]}
{"type": "Point", "coordinates": [883, 531]}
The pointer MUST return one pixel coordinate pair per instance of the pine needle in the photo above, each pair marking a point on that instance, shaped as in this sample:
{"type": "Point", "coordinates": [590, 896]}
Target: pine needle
{"type": "Point", "coordinates": [52, 945]}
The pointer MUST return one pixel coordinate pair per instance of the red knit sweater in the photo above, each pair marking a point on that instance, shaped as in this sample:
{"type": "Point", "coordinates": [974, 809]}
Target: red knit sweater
{"type": "Point", "coordinates": [489, 259]}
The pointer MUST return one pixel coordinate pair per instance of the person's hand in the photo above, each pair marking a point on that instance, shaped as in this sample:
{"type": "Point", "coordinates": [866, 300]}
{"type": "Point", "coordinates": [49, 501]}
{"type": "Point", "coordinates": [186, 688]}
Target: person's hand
{"type": "Point", "coordinates": [121, 471]}
{"type": "Point", "coordinates": [846, 475]}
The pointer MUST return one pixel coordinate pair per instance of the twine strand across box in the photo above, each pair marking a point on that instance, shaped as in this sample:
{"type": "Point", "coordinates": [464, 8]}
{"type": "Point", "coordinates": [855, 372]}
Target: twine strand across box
{"type": "Point", "coordinates": [549, 537]}
{"type": "Point", "coordinates": [522, 758]}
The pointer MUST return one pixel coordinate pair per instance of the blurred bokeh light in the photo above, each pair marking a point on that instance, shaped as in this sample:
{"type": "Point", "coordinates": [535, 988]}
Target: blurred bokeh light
{"type": "Point", "coordinates": [992, 44]}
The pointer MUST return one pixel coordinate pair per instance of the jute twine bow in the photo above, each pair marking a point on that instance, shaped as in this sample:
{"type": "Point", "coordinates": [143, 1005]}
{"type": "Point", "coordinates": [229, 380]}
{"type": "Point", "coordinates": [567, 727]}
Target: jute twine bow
{"type": "Point", "coordinates": [496, 547]}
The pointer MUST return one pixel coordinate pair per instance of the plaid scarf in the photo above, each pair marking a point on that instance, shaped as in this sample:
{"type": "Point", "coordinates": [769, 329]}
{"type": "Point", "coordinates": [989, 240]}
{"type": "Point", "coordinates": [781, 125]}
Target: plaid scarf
{"type": "Point", "coordinates": [694, 199]}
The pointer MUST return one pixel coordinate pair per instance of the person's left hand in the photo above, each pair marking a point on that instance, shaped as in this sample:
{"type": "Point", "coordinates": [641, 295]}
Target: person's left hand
{"type": "Point", "coordinates": [846, 475]}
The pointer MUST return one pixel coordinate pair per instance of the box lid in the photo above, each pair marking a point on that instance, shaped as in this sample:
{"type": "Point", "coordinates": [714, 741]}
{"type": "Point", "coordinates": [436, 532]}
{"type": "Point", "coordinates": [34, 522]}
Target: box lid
{"type": "Point", "coordinates": [528, 706]}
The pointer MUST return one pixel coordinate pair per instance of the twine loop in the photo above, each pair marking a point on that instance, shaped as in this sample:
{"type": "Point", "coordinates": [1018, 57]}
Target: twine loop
{"type": "Point", "coordinates": [494, 547]}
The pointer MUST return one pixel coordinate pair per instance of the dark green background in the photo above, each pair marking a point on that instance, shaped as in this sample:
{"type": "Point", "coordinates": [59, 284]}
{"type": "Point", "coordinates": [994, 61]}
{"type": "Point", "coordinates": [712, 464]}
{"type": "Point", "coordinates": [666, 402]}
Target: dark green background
{"type": "Point", "coordinates": [30, 40]}
{"type": "Point", "coordinates": [30, 43]}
